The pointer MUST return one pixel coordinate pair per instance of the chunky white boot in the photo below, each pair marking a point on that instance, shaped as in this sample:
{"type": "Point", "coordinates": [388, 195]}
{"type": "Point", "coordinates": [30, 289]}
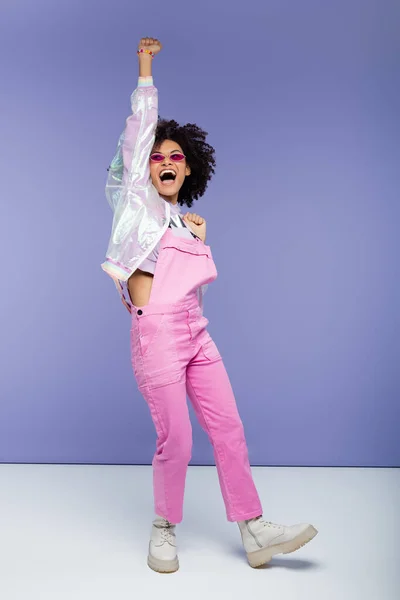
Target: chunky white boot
{"type": "Point", "coordinates": [263, 539]}
{"type": "Point", "coordinates": [162, 548]}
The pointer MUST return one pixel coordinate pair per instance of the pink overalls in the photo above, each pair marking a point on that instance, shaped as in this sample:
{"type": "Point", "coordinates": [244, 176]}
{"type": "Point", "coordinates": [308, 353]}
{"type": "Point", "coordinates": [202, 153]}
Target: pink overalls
{"type": "Point", "coordinates": [174, 355]}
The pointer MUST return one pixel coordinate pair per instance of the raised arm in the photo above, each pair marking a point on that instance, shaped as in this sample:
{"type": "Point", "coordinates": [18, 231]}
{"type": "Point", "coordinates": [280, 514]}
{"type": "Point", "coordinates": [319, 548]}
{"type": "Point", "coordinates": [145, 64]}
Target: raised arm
{"type": "Point", "coordinates": [130, 165]}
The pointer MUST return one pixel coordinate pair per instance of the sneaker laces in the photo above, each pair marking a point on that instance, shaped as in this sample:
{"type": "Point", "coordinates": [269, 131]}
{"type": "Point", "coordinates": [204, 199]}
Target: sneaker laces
{"type": "Point", "coordinates": [167, 531]}
{"type": "Point", "coordinates": [167, 536]}
{"type": "Point", "coordinates": [266, 523]}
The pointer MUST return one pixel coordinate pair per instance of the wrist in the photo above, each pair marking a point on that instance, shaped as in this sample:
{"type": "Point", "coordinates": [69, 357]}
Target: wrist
{"type": "Point", "coordinates": [144, 56]}
{"type": "Point", "coordinates": [145, 67]}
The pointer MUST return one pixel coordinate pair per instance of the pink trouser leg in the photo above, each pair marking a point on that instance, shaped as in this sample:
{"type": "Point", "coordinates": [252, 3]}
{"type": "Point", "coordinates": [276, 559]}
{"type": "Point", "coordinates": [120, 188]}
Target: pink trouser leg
{"type": "Point", "coordinates": [211, 394]}
{"type": "Point", "coordinates": [170, 415]}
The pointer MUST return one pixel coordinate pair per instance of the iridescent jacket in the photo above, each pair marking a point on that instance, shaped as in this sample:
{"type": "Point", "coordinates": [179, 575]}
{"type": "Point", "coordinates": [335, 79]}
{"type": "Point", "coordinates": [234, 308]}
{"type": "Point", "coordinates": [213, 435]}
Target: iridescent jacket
{"type": "Point", "coordinates": [141, 215]}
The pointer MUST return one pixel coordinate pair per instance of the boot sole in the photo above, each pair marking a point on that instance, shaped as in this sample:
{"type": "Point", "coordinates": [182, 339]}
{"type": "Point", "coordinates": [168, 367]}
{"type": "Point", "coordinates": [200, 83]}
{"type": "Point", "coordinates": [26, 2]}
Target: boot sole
{"type": "Point", "coordinates": [162, 566]}
{"type": "Point", "coordinates": [264, 555]}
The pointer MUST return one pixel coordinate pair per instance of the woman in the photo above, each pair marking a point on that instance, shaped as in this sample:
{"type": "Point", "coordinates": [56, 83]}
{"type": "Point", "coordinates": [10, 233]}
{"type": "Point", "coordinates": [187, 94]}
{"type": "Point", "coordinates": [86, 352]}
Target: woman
{"type": "Point", "coordinates": [161, 265]}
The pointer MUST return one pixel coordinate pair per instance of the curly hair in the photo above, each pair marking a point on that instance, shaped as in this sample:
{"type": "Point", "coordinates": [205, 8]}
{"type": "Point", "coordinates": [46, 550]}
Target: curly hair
{"type": "Point", "coordinates": [199, 156]}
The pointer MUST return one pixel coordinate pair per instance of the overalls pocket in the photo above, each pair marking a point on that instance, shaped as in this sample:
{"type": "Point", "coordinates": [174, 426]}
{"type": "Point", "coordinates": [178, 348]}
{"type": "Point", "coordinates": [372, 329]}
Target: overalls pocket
{"type": "Point", "coordinates": [149, 327]}
{"type": "Point", "coordinates": [189, 246]}
{"type": "Point", "coordinates": [210, 350]}
{"type": "Point", "coordinates": [157, 362]}
{"type": "Point", "coordinates": [189, 265]}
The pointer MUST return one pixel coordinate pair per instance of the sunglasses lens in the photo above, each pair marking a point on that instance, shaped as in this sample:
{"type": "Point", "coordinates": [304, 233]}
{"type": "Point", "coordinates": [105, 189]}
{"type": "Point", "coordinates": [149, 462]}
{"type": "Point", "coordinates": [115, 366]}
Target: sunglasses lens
{"type": "Point", "coordinates": [157, 157]}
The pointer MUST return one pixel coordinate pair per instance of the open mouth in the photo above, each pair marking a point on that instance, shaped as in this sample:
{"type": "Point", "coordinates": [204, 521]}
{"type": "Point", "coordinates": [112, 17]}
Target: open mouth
{"type": "Point", "coordinates": [167, 177]}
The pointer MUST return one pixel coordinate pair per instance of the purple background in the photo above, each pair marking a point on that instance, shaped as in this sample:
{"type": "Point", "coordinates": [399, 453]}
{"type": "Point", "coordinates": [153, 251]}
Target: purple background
{"type": "Point", "coordinates": [301, 101]}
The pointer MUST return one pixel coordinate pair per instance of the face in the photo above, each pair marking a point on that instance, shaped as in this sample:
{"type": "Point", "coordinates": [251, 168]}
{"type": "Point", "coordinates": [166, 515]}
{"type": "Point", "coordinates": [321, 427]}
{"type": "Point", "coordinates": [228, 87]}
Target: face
{"type": "Point", "coordinates": [169, 188]}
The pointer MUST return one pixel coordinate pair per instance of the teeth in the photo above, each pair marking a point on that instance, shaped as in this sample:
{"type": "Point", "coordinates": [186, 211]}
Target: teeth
{"type": "Point", "coordinates": [167, 171]}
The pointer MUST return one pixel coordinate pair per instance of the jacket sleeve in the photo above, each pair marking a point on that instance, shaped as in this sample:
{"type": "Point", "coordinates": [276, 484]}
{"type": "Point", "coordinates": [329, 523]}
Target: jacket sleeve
{"type": "Point", "coordinates": [140, 215]}
{"type": "Point", "coordinates": [129, 168]}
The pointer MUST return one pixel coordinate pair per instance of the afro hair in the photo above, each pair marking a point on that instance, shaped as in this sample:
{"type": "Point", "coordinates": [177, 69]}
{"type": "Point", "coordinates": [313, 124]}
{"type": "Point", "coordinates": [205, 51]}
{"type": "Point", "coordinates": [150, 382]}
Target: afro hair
{"type": "Point", "coordinates": [199, 156]}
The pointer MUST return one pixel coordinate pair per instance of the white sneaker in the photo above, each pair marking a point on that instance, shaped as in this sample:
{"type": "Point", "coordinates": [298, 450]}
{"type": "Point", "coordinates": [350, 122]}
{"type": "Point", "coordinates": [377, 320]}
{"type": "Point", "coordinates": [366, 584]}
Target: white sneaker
{"type": "Point", "coordinates": [263, 539]}
{"type": "Point", "coordinates": [162, 548]}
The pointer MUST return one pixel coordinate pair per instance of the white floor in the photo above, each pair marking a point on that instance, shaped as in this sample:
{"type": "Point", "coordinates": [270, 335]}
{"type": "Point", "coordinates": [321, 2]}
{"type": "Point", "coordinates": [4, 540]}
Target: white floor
{"type": "Point", "coordinates": [80, 532]}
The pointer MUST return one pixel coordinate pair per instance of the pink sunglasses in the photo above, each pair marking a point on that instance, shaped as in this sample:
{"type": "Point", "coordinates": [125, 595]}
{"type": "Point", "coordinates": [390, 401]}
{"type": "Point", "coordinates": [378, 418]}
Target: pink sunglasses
{"type": "Point", "coordinates": [157, 157]}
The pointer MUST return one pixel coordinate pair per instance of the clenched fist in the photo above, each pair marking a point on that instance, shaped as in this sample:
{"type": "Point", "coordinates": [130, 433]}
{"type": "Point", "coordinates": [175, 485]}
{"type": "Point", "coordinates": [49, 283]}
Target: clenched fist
{"type": "Point", "coordinates": [152, 44]}
{"type": "Point", "coordinates": [197, 223]}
